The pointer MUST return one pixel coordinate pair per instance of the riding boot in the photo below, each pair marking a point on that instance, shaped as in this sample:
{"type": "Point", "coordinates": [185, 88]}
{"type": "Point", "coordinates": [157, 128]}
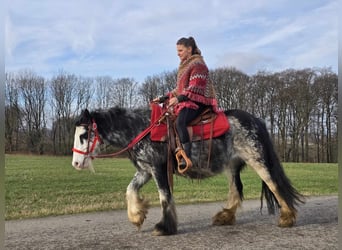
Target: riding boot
{"type": "Point", "coordinates": [187, 150]}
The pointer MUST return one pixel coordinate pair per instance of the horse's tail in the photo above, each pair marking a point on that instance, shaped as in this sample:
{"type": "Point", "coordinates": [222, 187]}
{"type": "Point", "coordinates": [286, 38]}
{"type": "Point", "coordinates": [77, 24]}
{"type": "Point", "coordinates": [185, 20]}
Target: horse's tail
{"type": "Point", "coordinates": [291, 196]}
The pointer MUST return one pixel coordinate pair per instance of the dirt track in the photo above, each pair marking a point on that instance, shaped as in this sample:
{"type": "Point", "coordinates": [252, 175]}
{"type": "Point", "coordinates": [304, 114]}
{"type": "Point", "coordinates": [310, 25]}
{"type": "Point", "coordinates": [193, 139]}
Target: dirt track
{"type": "Point", "coordinates": [316, 228]}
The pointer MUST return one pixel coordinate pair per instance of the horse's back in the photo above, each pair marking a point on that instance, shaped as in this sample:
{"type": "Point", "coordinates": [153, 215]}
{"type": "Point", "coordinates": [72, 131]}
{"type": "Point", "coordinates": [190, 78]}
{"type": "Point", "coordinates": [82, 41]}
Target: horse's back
{"type": "Point", "coordinates": [242, 119]}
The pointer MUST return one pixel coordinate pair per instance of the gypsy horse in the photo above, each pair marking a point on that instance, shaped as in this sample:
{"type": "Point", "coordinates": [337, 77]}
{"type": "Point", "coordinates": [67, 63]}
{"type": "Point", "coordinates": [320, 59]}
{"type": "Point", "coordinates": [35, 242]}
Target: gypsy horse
{"type": "Point", "coordinates": [247, 142]}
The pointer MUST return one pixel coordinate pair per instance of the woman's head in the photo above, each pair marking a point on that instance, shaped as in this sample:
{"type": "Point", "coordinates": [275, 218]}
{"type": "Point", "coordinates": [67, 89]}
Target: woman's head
{"type": "Point", "coordinates": [187, 47]}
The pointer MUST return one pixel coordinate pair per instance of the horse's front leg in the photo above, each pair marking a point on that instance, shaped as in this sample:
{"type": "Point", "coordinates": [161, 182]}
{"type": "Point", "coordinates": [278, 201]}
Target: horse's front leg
{"type": "Point", "coordinates": [168, 222]}
{"type": "Point", "coordinates": [137, 207]}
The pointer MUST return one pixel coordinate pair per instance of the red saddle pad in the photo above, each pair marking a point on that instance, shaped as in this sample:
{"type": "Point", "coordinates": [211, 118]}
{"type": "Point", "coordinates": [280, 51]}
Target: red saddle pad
{"type": "Point", "coordinates": [202, 131]}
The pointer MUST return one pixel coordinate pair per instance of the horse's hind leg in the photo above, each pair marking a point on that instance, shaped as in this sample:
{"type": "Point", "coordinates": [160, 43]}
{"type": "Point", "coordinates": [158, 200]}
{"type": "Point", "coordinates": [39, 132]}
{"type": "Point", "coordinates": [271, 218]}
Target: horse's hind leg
{"type": "Point", "coordinates": [287, 213]}
{"type": "Point", "coordinates": [227, 215]}
{"type": "Point", "coordinates": [137, 207]}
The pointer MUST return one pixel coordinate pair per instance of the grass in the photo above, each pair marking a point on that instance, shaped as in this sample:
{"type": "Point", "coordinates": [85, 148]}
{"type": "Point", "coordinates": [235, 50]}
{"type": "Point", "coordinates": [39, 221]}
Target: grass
{"type": "Point", "coordinates": [39, 186]}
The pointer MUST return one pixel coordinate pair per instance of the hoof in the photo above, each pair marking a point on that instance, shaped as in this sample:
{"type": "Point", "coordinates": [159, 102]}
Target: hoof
{"type": "Point", "coordinates": [160, 230]}
{"type": "Point", "coordinates": [287, 219]}
{"type": "Point", "coordinates": [137, 213]}
{"type": "Point", "coordinates": [158, 233]}
{"type": "Point", "coordinates": [225, 217]}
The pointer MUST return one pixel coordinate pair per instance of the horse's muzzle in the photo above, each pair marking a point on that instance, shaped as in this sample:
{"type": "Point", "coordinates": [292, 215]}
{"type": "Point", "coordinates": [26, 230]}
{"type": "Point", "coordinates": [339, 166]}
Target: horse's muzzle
{"type": "Point", "coordinates": [77, 165]}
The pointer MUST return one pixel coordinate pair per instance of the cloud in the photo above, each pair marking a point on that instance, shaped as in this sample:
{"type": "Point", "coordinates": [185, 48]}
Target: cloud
{"type": "Point", "coordinates": [137, 39]}
{"type": "Point", "coordinates": [247, 62]}
{"type": "Point", "coordinates": [308, 39]}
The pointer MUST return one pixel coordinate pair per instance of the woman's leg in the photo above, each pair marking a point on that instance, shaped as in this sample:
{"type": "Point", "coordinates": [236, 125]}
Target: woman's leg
{"type": "Point", "coordinates": [185, 116]}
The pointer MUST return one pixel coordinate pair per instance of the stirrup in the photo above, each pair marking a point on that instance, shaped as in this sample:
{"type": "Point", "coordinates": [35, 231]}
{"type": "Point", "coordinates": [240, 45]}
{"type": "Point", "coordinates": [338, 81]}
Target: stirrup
{"type": "Point", "coordinates": [181, 155]}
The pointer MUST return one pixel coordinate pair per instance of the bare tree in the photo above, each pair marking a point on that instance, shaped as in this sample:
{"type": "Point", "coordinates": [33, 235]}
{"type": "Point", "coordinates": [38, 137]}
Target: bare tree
{"type": "Point", "coordinates": [299, 106]}
{"type": "Point", "coordinates": [264, 98]}
{"type": "Point", "coordinates": [282, 121]}
{"type": "Point", "coordinates": [125, 93]}
{"type": "Point", "coordinates": [84, 91]}
{"type": "Point", "coordinates": [33, 96]}
{"type": "Point", "coordinates": [232, 88]}
{"type": "Point", "coordinates": [170, 81]}
{"type": "Point", "coordinates": [151, 88]}
{"type": "Point", "coordinates": [157, 85]}
{"type": "Point", "coordinates": [12, 114]}
{"type": "Point", "coordinates": [325, 87]}
{"type": "Point", "coordinates": [63, 94]}
{"type": "Point", "coordinates": [103, 92]}
{"type": "Point", "coordinates": [305, 102]}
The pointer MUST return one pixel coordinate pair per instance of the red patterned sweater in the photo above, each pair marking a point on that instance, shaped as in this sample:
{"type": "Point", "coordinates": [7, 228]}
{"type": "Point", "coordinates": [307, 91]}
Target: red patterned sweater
{"type": "Point", "coordinates": [193, 81]}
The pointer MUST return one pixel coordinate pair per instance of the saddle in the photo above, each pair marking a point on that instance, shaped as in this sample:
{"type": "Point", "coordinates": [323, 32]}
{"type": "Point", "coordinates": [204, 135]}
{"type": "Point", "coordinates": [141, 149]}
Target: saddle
{"type": "Point", "coordinates": [206, 126]}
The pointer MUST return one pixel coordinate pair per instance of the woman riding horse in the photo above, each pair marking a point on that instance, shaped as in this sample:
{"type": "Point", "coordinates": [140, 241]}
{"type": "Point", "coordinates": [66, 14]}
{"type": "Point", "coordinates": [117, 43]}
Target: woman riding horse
{"type": "Point", "coordinates": [247, 142]}
{"type": "Point", "coordinates": [194, 91]}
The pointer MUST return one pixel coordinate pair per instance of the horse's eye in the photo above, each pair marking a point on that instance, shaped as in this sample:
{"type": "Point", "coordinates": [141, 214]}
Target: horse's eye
{"type": "Point", "coordinates": [83, 137]}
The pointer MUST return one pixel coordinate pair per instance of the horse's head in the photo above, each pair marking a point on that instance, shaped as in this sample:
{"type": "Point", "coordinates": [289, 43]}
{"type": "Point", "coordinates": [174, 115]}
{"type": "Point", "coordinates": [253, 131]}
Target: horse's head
{"type": "Point", "coordinates": [86, 140]}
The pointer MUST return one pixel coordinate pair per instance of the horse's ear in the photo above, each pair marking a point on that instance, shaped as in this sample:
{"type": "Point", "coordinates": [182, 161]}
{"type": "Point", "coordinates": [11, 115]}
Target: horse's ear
{"type": "Point", "coordinates": [86, 114]}
{"type": "Point", "coordinates": [84, 118]}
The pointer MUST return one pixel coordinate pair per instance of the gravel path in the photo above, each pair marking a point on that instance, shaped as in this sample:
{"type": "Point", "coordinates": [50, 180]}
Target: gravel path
{"type": "Point", "coordinates": [316, 228]}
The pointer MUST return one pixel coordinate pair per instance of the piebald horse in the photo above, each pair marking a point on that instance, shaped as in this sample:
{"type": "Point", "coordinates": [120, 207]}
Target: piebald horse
{"type": "Point", "coordinates": [247, 142]}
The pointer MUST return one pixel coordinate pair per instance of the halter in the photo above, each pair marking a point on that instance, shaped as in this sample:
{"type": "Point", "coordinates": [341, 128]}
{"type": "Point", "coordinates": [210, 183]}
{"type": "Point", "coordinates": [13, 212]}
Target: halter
{"type": "Point", "coordinates": [91, 128]}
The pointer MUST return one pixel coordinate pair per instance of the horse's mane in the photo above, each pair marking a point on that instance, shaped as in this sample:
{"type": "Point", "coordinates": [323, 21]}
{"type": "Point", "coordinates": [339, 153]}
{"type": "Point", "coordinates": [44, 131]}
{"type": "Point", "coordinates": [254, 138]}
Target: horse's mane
{"type": "Point", "coordinates": [126, 123]}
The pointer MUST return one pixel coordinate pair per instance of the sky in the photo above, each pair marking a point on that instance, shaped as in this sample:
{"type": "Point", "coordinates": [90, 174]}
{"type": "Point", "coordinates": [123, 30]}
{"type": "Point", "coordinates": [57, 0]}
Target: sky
{"type": "Point", "coordinates": [137, 39]}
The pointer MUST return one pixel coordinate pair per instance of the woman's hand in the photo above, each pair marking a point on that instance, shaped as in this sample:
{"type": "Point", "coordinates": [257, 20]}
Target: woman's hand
{"type": "Point", "coordinates": [156, 100]}
{"type": "Point", "coordinates": [160, 99]}
{"type": "Point", "coordinates": [173, 101]}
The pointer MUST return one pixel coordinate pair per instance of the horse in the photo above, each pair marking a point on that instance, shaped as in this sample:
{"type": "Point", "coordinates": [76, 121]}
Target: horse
{"type": "Point", "coordinates": [246, 143]}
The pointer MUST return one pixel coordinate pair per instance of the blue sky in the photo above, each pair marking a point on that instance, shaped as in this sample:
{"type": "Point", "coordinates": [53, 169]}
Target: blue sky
{"type": "Point", "coordinates": [126, 38]}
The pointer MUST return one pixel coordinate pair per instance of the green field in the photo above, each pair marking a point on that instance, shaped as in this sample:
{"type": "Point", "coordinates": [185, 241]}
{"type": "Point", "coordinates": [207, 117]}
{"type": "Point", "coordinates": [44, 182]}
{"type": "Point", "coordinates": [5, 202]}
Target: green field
{"type": "Point", "coordinates": [43, 185]}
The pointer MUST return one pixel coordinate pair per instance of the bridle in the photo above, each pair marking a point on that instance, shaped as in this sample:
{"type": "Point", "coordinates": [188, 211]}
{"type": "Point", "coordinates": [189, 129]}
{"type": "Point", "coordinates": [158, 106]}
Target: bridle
{"type": "Point", "coordinates": [92, 128]}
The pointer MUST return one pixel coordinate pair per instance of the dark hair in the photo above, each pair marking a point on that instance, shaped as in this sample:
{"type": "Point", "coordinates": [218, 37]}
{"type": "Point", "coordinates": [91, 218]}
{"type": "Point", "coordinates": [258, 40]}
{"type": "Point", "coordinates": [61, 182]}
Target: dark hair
{"type": "Point", "coordinates": [189, 42]}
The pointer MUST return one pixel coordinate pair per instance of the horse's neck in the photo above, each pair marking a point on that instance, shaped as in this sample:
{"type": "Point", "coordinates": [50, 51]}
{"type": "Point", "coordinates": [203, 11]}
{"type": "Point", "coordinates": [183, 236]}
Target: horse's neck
{"type": "Point", "coordinates": [120, 129]}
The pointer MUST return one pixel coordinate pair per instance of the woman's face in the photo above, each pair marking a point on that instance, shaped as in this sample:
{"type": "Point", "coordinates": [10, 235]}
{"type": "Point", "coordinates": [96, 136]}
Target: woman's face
{"type": "Point", "coordinates": [183, 52]}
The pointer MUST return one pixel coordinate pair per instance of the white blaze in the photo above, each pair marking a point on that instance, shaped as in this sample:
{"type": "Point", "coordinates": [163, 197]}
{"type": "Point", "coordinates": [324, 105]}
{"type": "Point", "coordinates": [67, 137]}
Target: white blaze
{"type": "Point", "coordinates": [77, 158]}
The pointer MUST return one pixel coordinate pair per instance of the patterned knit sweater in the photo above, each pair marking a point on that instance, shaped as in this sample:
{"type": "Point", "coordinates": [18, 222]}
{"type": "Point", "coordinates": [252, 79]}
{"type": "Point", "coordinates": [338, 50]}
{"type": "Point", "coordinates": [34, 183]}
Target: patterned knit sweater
{"type": "Point", "coordinates": [193, 82]}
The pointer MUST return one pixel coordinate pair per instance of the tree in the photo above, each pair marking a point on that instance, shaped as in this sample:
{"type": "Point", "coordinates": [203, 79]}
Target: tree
{"type": "Point", "coordinates": [303, 103]}
{"type": "Point", "coordinates": [124, 93]}
{"type": "Point", "coordinates": [298, 106]}
{"type": "Point", "coordinates": [84, 91]}
{"type": "Point", "coordinates": [103, 91]}
{"type": "Point", "coordinates": [157, 85]}
{"type": "Point", "coordinates": [170, 81]}
{"type": "Point", "coordinates": [325, 86]}
{"type": "Point", "coordinates": [297, 97]}
{"type": "Point", "coordinates": [264, 89]}
{"type": "Point", "coordinates": [232, 88]}
{"type": "Point", "coordinates": [33, 97]}
{"type": "Point", "coordinates": [63, 94]}
{"type": "Point", "coordinates": [151, 88]}
{"type": "Point", "coordinates": [12, 114]}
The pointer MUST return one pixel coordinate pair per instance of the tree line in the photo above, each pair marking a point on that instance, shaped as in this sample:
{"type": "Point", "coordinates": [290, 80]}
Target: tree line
{"type": "Point", "coordinates": [298, 106]}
